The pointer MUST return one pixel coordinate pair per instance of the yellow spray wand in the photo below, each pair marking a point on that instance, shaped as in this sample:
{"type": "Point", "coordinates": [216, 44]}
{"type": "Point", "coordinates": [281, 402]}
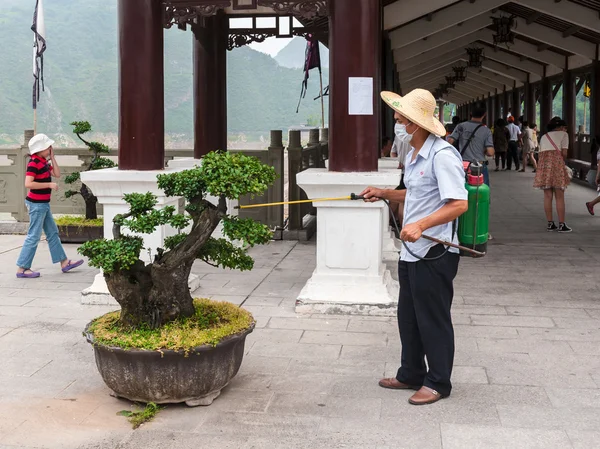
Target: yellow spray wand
{"type": "Point", "coordinates": [354, 197]}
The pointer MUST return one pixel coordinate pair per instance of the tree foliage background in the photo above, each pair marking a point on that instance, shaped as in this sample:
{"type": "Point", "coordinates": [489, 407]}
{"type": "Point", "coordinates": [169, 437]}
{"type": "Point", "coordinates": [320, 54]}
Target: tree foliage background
{"type": "Point", "coordinates": [82, 80]}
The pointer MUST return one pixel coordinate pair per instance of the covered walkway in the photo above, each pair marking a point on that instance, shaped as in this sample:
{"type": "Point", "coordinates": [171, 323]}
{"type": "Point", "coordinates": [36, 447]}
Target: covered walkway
{"type": "Point", "coordinates": [527, 371]}
{"type": "Point", "coordinates": [534, 58]}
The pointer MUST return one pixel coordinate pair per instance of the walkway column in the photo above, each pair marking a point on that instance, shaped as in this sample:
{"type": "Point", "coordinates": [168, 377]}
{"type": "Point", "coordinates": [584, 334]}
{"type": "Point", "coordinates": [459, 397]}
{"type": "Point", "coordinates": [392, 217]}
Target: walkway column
{"type": "Point", "coordinates": [595, 100]}
{"type": "Point", "coordinates": [530, 103]}
{"type": "Point", "coordinates": [355, 44]}
{"type": "Point", "coordinates": [569, 107]}
{"type": "Point", "coordinates": [497, 104]}
{"type": "Point", "coordinates": [516, 103]}
{"type": "Point", "coordinates": [210, 84]}
{"type": "Point", "coordinates": [490, 111]}
{"type": "Point", "coordinates": [141, 87]}
{"type": "Point", "coordinates": [505, 103]}
{"type": "Point", "coordinates": [545, 104]}
{"type": "Point", "coordinates": [350, 276]}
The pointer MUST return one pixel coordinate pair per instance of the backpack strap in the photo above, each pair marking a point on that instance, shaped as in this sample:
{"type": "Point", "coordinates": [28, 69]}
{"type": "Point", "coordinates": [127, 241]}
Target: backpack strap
{"type": "Point", "coordinates": [462, 152]}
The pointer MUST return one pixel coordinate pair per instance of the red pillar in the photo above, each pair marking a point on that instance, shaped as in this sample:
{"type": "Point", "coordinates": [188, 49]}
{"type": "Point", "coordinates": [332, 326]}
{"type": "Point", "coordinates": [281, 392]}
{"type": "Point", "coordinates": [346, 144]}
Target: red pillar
{"type": "Point", "coordinates": [530, 103]}
{"type": "Point", "coordinates": [569, 108]}
{"type": "Point", "coordinates": [545, 103]}
{"type": "Point", "coordinates": [516, 103]}
{"type": "Point", "coordinates": [355, 44]}
{"type": "Point", "coordinates": [141, 85]}
{"type": "Point", "coordinates": [210, 85]}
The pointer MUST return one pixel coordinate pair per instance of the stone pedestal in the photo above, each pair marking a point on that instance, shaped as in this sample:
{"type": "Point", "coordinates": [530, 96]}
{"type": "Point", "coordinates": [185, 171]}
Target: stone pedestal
{"type": "Point", "coordinates": [390, 245]}
{"type": "Point", "coordinates": [350, 277]}
{"type": "Point", "coordinates": [110, 185]}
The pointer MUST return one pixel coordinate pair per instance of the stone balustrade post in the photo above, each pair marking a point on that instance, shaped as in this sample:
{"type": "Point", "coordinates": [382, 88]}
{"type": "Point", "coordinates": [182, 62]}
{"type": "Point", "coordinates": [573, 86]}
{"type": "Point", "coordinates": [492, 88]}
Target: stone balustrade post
{"type": "Point", "coordinates": [294, 192]}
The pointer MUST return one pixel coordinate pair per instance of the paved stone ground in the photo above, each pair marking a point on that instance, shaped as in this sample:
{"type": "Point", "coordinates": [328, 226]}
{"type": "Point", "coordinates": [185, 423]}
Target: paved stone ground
{"type": "Point", "coordinates": [527, 374]}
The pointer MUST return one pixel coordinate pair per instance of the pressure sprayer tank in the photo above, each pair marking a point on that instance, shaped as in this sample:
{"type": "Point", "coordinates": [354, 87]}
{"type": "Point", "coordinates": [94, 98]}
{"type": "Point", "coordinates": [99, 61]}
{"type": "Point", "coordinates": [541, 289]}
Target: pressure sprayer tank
{"type": "Point", "coordinates": [473, 225]}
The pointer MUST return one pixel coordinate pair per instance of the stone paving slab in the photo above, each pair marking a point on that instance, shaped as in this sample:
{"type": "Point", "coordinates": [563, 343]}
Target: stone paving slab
{"type": "Point", "coordinates": [527, 365]}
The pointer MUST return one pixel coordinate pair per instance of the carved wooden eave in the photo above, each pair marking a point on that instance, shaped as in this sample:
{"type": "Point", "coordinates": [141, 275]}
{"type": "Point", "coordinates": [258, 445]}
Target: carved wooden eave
{"type": "Point", "coordinates": [186, 12]}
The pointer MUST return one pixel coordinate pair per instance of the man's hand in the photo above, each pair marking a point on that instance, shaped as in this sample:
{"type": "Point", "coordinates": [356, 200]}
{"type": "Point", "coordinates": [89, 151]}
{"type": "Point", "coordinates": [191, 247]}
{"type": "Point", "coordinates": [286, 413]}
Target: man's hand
{"type": "Point", "coordinates": [401, 166]}
{"type": "Point", "coordinates": [411, 232]}
{"type": "Point", "coordinates": [372, 194]}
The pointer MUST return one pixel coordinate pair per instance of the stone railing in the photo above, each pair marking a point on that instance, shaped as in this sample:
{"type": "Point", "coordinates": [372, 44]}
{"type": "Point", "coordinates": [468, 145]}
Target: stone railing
{"type": "Point", "coordinates": [301, 217]}
{"type": "Point", "coordinates": [582, 161]}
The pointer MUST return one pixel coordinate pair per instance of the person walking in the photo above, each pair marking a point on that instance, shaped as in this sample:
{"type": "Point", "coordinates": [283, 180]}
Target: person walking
{"type": "Point", "coordinates": [595, 146]}
{"type": "Point", "coordinates": [513, 144]}
{"type": "Point", "coordinates": [475, 140]}
{"type": "Point", "coordinates": [500, 137]}
{"type": "Point", "coordinates": [529, 146]}
{"type": "Point", "coordinates": [38, 180]}
{"type": "Point", "coordinates": [434, 198]}
{"type": "Point", "coordinates": [551, 175]}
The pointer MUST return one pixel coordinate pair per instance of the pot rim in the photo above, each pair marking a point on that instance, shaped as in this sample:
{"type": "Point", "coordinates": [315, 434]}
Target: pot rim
{"type": "Point", "coordinates": [226, 341]}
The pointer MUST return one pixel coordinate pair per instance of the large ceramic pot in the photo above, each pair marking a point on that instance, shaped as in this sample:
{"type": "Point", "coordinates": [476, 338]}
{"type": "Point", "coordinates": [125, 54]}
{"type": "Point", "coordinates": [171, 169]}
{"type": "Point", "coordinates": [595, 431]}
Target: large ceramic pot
{"type": "Point", "coordinates": [170, 376]}
{"type": "Point", "coordinates": [79, 234]}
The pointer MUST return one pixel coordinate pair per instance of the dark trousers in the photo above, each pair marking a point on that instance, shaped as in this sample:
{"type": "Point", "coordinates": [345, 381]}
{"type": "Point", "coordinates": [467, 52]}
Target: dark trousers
{"type": "Point", "coordinates": [424, 321]}
{"type": "Point", "coordinates": [513, 154]}
{"type": "Point", "coordinates": [501, 156]}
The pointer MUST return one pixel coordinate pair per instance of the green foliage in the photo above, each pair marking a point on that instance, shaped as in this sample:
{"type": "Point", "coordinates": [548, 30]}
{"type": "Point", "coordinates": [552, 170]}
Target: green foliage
{"type": "Point", "coordinates": [234, 174]}
{"type": "Point", "coordinates": [246, 230]}
{"type": "Point", "coordinates": [212, 321]}
{"type": "Point", "coordinates": [139, 203]}
{"type": "Point", "coordinates": [102, 162]}
{"type": "Point", "coordinates": [139, 417]}
{"type": "Point", "coordinates": [187, 183]}
{"type": "Point", "coordinates": [72, 178]}
{"type": "Point", "coordinates": [174, 240]}
{"type": "Point", "coordinates": [81, 127]}
{"type": "Point", "coordinates": [70, 193]}
{"type": "Point", "coordinates": [112, 255]}
{"type": "Point", "coordinates": [222, 253]}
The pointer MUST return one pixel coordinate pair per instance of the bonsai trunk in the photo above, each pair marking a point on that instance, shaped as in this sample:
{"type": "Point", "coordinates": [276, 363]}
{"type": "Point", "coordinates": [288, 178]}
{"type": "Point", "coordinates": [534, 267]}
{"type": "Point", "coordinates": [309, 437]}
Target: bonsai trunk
{"type": "Point", "coordinates": [151, 295]}
{"type": "Point", "coordinates": [91, 211]}
{"type": "Point", "coordinates": [158, 293]}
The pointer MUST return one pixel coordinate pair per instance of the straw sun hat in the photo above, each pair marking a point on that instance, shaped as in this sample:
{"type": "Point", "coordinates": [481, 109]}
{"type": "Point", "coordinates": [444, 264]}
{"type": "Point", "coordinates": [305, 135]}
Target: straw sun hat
{"type": "Point", "coordinates": [418, 106]}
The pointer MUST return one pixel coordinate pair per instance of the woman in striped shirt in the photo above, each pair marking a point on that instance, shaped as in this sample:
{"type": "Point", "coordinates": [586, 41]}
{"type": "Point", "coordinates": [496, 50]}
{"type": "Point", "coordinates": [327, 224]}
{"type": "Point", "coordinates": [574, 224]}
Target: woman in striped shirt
{"type": "Point", "coordinates": [38, 180]}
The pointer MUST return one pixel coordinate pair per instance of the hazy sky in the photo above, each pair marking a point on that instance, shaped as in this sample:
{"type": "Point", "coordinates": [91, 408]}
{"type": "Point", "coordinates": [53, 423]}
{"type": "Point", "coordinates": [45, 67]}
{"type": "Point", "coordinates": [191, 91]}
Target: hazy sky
{"type": "Point", "coordinates": [271, 46]}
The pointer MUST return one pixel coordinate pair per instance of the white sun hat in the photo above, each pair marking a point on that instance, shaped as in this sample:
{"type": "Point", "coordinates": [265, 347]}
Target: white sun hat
{"type": "Point", "coordinates": [418, 106]}
{"type": "Point", "coordinates": [40, 142]}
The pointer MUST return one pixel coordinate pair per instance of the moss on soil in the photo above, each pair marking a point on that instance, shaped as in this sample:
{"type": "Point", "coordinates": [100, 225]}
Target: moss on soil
{"type": "Point", "coordinates": [212, 322]}
{"type": "Point", "coordinates": [79, 221]}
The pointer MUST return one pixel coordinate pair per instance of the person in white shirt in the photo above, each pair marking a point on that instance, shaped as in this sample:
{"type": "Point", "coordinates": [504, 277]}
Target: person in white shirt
{"type": "Point", "coordinates": [529, 146]}
{"type": "Point", "coordinates": [551, 175]}
{"type": "Point", "coordinates": [513, 144]}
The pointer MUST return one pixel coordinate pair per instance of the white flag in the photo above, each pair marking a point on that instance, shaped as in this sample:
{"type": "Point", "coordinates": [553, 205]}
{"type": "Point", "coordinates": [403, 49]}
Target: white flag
{"type": "Point", "coordinates": [39, 47]}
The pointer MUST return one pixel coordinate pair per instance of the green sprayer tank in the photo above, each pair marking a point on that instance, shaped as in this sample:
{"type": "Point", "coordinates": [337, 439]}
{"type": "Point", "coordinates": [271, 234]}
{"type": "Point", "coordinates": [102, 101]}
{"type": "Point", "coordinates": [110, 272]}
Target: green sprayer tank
{"type": "Point", "coordinates": [473, 225]}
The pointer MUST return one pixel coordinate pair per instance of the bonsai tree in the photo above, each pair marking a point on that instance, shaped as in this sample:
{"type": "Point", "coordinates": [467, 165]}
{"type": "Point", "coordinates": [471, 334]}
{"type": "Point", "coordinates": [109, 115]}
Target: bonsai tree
{"type": "Point", "coordinates": [157, 293]}
{"type": "Point", "coordinates": [98, 162]}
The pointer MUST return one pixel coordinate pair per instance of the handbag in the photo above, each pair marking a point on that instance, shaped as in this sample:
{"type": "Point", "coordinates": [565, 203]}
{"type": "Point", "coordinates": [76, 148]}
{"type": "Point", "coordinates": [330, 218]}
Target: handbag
{"type": "Point", "coordinates": [568, 170]}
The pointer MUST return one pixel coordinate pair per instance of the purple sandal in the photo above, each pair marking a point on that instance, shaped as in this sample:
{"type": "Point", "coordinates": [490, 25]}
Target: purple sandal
{"type": "Point", "coordinates": [30, 275]}
{"type": "Point", "coordinates": [72, 265]}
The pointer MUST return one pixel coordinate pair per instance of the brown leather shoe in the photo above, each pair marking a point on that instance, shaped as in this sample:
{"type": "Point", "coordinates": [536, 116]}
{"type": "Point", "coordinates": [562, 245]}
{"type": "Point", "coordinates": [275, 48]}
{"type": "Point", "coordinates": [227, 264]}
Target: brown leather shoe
{"type": "Point", "coordinates": [425, 396]}
{"type": "Point", "coordinates": [393, 384]}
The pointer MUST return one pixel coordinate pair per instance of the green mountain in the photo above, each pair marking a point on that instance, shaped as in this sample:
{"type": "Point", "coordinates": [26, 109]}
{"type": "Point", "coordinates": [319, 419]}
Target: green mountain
{"type": "Point", "coordinates": [292, 55]}
{"type": "Point", "coordinates": [81, 77]}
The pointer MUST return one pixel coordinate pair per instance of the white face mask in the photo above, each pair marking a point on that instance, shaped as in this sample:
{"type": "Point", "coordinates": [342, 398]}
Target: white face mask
{"type": "Point", "coordinates": [401, 133]}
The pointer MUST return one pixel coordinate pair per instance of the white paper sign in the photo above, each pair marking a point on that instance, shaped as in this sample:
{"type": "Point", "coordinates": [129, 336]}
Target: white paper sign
{"type": "Point", "coordinates": [360, 96]}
